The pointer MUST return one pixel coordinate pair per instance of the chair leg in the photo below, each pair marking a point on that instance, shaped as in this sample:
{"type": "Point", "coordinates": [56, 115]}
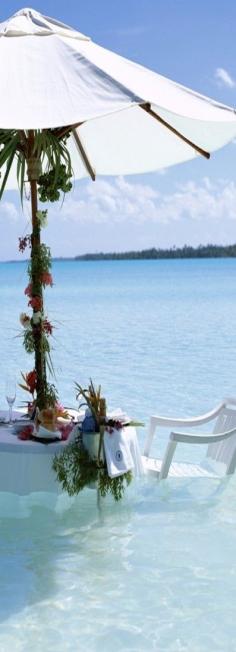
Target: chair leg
{"type": "Point", "coordinates": [150, 435]}
{"type": "Point", "coordinates": [167, 460]}
{"type": "Point", "coordinates": [231, 466]}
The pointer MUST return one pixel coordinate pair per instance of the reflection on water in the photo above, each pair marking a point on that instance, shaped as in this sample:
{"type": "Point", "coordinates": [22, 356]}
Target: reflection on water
{"type": "Point", "coordinates": [144, 574]}
{"type": "Point", "coordinates": [156, 572]}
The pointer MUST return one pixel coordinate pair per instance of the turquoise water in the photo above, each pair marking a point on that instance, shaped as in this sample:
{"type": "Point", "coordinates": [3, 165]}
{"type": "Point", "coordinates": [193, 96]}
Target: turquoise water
{"type": "Point", "coordinates": [156, 572]}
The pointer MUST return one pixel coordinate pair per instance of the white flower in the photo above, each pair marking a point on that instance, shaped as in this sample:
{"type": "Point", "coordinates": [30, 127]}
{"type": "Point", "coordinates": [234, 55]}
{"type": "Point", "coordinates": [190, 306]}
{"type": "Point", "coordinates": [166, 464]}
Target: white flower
{"type": "Point", "coordinates": [24, 320]}
{"type": "Point", "coordinates": [42, 217]}
{"type": "Point", "coordinates": [36, 317]}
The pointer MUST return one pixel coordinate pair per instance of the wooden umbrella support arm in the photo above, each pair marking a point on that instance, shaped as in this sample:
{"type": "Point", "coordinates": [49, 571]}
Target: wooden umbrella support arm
{"type": "Point", "coordinates": [199, 150]}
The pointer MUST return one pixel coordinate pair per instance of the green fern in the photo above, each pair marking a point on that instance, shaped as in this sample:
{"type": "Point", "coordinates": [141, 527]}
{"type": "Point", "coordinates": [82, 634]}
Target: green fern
{"type": "Point", "coordinates": [75, 470]}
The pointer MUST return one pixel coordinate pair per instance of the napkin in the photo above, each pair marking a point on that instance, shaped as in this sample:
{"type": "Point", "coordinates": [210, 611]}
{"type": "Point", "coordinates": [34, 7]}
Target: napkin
{"type": "Point", "coordinates": [44, 433]}
{"type": "Point", "coordinates": [117, 453]}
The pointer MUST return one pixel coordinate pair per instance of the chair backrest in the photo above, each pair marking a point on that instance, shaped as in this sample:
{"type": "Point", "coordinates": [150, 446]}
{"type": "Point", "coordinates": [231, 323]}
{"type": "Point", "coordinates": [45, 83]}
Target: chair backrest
{"type": "Point", "coordinates": [225, 451]}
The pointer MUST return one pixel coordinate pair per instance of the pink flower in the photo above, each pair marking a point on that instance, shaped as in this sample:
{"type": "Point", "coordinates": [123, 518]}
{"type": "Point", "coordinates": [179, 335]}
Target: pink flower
{"type": "Point", "coordinates": [66, 430]}
{"type": "Point", "coordinates": [47, 327]}
{"type": "Point", "coordinates": [35, 303]}
{"type": "Point", "coordinates": [46, 279]}
{"type": "Point", "coordinates": [24, 242]}
{"type": "Point", "coordinates": [28, 290]}
{"type": "Point", "coordinates": [59, 408]}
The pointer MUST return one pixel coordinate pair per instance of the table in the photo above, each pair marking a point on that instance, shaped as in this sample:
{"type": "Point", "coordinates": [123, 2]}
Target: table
{"type": "Point", "coordinates": [26, 466]}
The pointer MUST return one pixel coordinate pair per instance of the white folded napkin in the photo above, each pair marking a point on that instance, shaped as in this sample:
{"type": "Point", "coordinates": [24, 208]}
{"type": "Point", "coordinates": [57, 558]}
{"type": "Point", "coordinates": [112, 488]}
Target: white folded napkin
{"type": "Point", "coordinates": [44, 433]}
{"type": "Point", "coordinates": [117, 453]}
{"type": "Point", "coordinates": [118, 415]}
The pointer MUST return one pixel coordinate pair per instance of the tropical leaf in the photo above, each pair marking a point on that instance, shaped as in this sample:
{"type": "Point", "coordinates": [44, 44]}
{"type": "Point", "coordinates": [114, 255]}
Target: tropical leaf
{"type": "Point", "coordinates": [20, 172]}
{"type": "Point", "coordinates": [24, 387]}
{"type": "Point", "coordinates": [49, 364]}
{"type": "Point", "coordinates": [8, 168]}
{"type": "Point", "coordinates": [6, 152]}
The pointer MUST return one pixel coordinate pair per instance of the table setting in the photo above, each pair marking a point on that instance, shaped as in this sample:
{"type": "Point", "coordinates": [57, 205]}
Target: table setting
{"type": "Point", "coordinates": [39, 454]}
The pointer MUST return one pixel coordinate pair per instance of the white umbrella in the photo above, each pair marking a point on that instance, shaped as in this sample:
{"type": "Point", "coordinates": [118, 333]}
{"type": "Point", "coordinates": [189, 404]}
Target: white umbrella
{"type": "Point", "coordinates": [127, 119]}
{"type": "Point", "coordinates": [121, 119]}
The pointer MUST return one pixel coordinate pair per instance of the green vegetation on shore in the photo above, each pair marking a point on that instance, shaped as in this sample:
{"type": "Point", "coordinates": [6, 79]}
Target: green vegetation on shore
{"type": "Point", "coordinates": [202, 251]}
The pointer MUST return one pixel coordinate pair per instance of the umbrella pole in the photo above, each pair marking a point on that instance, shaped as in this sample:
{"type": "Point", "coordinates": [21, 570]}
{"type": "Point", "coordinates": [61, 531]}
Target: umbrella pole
{"type": "Point", "coordinates": [37, 291]}
{"type": "Point", "coordinates": [33, 165]}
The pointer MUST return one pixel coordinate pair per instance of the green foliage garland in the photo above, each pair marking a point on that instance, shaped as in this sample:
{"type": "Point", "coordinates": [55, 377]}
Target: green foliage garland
{"type": "Point", "coordinates": [42, 157]}
{"type": "Point", "coordinates": [49, 190]}
{"type": "Point", "coordinates": [51, 395]}
{"type": "Point", "coordinates": [28, 340]}
{"type": "Point", "coordinates": [49, 152]}
{"type": "Point", "coordinates": [115, 486]}
{"type": "Point", "coordinates": [76, 470]}
{"type": "Point", "coordinates": [38, 267]}
{"type": "Point", "coordinates": [41, 263]}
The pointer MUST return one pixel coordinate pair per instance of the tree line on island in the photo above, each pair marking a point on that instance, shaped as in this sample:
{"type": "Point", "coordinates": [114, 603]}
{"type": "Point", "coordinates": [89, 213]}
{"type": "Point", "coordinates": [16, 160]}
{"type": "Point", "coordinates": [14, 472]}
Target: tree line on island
{"type": "Point", "coordinates": [202, 251]}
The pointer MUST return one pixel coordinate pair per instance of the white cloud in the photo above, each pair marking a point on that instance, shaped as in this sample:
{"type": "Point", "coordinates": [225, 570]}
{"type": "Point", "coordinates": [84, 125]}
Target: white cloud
{"type": "Point", "coordinates": [224, 78]}
{"type": "Point", "coordinates": [116, 201]}
{"type": "Point", "coordinates": [8, 211]}
{"type": "Point", "coordinates": [121, 214]}
{"type": "Point", "coordinates": [123, 202]}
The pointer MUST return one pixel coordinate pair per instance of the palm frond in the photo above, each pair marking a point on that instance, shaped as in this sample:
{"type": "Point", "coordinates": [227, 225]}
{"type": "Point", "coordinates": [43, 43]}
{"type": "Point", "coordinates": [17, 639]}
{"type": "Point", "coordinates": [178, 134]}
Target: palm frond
{"type": "Point", "coordinates": [8, 168]}
{"type": "Point", "coordinates": [20, 172]}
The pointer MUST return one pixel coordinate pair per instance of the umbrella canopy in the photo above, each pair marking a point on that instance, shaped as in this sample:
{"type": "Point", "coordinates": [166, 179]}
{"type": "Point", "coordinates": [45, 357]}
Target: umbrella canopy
{"type": "Point", "coordinates": [126, 119]}
{"type": "Point", "coordinates": [119, 117]}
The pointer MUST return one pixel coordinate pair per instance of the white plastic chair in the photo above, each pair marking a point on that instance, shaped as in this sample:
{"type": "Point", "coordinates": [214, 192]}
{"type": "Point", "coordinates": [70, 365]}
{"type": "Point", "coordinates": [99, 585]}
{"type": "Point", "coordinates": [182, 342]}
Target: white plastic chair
{"type": "Point", "coordinates": [221, 452]}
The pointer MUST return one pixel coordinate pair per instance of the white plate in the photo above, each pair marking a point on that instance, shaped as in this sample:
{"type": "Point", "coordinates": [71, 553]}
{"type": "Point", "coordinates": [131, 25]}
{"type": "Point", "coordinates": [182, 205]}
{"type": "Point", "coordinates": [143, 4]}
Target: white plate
{"type": "Point", "coordinates": [43, 433]}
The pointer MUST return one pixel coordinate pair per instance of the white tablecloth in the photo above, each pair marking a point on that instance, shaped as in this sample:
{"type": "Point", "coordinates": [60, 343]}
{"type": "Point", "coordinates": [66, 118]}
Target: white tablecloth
{"type": "Point", "coordinates": [26, 466]}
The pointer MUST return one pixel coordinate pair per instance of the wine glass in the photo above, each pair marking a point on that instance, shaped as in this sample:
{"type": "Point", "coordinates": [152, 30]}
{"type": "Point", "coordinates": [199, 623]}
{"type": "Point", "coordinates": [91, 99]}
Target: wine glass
{"type": "Point", "coordinates": [10, 396]}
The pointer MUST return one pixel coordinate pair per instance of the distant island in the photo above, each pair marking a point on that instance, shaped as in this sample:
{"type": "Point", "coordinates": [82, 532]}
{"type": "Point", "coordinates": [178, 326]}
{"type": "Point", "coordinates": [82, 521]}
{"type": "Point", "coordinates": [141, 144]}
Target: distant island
{"type": "Point", "coordinates": [202, 251]}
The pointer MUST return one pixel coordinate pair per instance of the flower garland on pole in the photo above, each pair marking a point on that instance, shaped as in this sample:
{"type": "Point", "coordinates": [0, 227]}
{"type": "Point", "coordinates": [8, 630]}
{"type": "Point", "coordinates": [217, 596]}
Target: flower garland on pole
{"type": "Point", "coordinates": [43, 154]}
{"type": "Point", "coordinates": [37, 328]}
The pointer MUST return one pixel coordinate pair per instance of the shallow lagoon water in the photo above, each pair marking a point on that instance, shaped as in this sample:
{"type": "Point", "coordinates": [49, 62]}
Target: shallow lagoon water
{"type": "Point", "coordinates": [156, 572]}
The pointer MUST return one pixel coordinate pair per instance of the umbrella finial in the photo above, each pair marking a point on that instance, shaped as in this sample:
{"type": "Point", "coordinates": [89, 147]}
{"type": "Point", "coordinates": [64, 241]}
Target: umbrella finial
{"type": "Point", "coordinates": [28, 21]}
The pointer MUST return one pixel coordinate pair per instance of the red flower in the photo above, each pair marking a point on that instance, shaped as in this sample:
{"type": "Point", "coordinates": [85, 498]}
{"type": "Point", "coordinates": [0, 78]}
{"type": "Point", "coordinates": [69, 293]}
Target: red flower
{"type": "Point", "coordinates": [46, 279]}
{"type": "Point", "coordinates": [31, 381]}
{"type": "Point", "coordinates": [113, 424]}
{"type": "Point", "coordinates": [24, 242]}
{"type": "Point", "coordinates": [47, 327]}
{"type": "Point", "coordinates": [65, 430]}
{"type": "Point", "coordinates": [28, 290]}
{"type": "Point", "coordinates": [26, 433]}
{"type": "Point", "coordinates": [35, 303]}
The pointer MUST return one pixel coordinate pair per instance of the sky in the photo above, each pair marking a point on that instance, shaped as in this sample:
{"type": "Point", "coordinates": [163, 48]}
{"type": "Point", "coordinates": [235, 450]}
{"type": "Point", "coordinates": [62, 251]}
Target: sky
{"type": "Point", "coordinates": [193, 203]}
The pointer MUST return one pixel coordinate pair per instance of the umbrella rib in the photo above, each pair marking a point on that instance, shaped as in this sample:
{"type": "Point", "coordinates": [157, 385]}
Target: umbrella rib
{"type": "Point", "coordinates": [147, 107]}
{"type": "Point", "coordinates": [84, 156]}
{"type": "Point", "coordinates": [63, 131]}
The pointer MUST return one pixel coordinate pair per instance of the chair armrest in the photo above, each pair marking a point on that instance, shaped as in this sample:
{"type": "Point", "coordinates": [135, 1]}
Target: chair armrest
{"type": "Point", "coordinates": [195, 438]}
{"type": "Point", "coordinates": [186, 437]}
{"type": "Point", "coordinates": [190, 421]}
{"type": "Point", "coordinates": [169, 422]}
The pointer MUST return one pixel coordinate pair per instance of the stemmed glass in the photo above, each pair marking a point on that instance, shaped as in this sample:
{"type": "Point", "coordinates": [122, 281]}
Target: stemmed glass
{"type": "Point", "coordinates": [10, 396]}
